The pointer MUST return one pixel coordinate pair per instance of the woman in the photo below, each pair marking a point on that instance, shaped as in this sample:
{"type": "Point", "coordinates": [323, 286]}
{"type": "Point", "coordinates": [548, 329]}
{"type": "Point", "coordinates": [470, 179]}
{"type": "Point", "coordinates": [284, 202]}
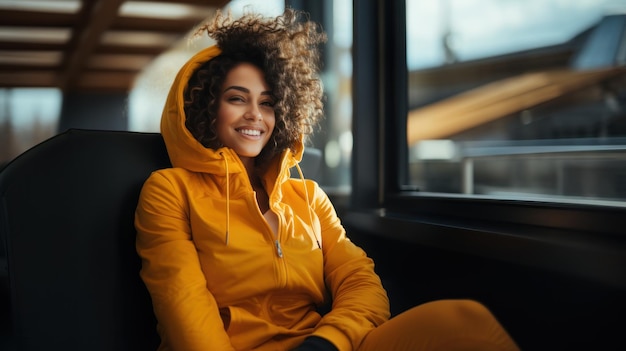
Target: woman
{"type": "Point", "coordinates": [239, 256]}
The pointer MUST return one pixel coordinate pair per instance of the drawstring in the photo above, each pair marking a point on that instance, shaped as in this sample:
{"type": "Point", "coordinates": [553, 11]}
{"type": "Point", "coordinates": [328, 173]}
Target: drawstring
{"type": "Point", "coordinates": [308, 205]}
{"type": "Point", "coordinates": [227, 199]}
{"type": "Point", "coordinates": [306, 194]}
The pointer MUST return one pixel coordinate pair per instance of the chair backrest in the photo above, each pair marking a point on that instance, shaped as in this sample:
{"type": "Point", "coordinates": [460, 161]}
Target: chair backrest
{"type": "Point", "coordinates": [69, 272]}
{"type": "Point", "coordinates": [66, 228]}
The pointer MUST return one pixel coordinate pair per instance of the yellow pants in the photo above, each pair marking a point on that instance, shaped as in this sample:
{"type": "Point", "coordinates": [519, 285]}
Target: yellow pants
{"type": "Point", "coordinates": [443, 325]}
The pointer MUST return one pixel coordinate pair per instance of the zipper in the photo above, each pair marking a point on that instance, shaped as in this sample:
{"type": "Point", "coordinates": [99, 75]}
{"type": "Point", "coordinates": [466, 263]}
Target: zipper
{"type": "Point", "coordinates": [279, 249]}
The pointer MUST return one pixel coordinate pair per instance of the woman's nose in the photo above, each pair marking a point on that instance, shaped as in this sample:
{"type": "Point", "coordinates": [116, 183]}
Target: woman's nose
{"type": "Point", "coordinates": [254, 113]}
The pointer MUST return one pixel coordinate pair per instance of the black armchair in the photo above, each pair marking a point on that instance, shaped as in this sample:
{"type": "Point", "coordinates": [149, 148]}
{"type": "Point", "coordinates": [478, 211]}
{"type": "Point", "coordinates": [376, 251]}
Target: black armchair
{"type": "Point", "coordinates": [69, 272]}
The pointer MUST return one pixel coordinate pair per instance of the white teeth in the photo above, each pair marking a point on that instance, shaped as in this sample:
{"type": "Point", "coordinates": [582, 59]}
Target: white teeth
{"type": "Point", "coordinates": [250, 132]}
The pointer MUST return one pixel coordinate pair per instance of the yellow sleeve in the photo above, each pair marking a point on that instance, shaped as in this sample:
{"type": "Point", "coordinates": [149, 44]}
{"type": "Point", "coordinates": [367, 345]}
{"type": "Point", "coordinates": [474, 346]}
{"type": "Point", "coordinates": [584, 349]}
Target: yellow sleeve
{"type": "Point", "coordinates": [360, 302]}
{"type": "Point", "coordinates": [186, 311]}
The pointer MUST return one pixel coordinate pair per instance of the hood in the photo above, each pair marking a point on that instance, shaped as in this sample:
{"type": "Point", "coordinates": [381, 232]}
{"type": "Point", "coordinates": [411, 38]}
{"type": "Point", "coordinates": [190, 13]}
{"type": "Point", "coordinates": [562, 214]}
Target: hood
{"type": "Point", "coordinates": [187, 152]}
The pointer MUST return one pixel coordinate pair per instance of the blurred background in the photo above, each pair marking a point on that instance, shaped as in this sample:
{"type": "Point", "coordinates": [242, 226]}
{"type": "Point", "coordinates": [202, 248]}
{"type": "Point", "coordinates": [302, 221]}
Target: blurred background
{"type": "Point", "coordinates": [518, 99]}
{"type": "Point", "coordinates": [507, 98]}
{"type": "Point", "coordinates": [98, 64]}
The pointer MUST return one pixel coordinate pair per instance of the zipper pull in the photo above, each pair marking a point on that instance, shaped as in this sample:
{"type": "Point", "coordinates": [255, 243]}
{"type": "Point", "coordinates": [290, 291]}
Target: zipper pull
{"type": "Point", "coordinates": [279, 249]}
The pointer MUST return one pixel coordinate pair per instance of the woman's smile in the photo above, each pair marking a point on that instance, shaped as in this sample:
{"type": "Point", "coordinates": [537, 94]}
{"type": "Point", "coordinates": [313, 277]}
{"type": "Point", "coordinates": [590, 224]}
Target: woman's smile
{"type": "Point", "coordinates": [245, 116]}
{"type": "Point", "coordinates": [250, 132]}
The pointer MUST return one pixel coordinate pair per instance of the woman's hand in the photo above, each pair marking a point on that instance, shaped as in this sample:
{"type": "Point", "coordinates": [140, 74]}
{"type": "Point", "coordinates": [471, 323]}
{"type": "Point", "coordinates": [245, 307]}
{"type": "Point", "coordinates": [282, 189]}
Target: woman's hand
{"type": "Point", "coordinates": [315, 343]}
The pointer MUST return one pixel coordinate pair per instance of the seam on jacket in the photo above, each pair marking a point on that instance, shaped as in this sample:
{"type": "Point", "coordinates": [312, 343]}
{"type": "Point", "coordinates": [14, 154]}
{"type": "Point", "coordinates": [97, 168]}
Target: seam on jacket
{"type": "Point", "coordinates": [227, 199]}
{"type": "Point", "coordinates": [308, 205]}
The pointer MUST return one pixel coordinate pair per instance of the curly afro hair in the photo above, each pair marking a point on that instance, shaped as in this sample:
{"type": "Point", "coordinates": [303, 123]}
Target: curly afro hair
{"type": "Point", "coordinates": [285, 49]}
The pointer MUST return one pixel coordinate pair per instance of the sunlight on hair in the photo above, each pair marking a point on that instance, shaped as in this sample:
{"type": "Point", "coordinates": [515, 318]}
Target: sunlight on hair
{"type": "Point", "coordinates": [152, 85]}
{"type": "Point", "coordinates": [265, 7]}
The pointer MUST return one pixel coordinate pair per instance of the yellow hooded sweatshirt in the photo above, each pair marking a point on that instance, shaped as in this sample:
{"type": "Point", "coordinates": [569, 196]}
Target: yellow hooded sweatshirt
{"type": "Point", "coordinates": [219, 278]}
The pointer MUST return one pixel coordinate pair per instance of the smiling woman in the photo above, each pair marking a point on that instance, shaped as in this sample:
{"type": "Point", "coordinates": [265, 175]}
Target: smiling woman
{"type": "Point", "coordinates": [245, 117]}
{"type": "Point", "coordinates": [237, 254]}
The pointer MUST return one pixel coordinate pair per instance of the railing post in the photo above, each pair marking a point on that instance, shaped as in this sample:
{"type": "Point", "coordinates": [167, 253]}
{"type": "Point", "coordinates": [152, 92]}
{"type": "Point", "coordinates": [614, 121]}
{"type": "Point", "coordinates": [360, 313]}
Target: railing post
{"type": "Point", "coordinates": [467, 175]}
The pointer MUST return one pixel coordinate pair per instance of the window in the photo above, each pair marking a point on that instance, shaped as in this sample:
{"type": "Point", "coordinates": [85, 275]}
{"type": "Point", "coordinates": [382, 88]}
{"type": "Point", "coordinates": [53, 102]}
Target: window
{"type": "Point", "coordinates": [576, 235]}
{"type": "Point", "coordinates": [28, 116]}
{"type": "Point", "coordinates": [517, 99]}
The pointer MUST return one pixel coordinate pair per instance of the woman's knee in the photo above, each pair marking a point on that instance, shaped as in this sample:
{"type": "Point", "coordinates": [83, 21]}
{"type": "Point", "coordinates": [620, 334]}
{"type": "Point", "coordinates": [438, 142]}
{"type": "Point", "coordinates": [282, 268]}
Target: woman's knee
{"type": "Point", "coordinates": [460, 324]}
{"type": "Point", "coordinates": [453, 315]}
{"type": "Point", "coordinates": [470, 310]}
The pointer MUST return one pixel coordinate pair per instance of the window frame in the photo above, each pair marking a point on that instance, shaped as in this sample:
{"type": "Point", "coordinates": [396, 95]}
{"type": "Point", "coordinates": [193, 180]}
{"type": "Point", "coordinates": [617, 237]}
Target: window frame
{"type": "Point", "coordinates": [584, 240]}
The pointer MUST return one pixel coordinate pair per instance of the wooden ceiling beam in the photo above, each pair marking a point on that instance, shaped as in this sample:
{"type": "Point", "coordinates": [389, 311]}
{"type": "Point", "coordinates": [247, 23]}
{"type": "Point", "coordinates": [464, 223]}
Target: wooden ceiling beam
{"type": "Point", "coordinates": [152, 50]}
{"type": "Point", "coordinates": [38, 19]}
{"type": "Point", "coordinates": [105, 81]}
{"type": "Point", "coordinates": [16, 68]}
{"type": "Point", "coordinates": [30, 78]}
{"type": "Point", "coordinates": [78, 68]}
{"type": "Point", "coordinates": [155, 24]}
{"type": "Point", "coordinates": [27, 46]}
{"type": "Point", "coordinates": [98, 18]}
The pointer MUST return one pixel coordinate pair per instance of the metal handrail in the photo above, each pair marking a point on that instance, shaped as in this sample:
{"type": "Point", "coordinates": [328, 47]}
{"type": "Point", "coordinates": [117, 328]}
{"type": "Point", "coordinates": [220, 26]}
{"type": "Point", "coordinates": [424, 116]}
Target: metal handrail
{"type": "Point", "coordinates": [542, 151]}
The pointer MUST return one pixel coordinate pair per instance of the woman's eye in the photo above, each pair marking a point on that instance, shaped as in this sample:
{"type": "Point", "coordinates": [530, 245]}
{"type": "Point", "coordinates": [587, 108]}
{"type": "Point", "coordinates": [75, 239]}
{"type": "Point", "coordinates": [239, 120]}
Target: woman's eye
{"type": "Point", "coordinates": [235, 98]}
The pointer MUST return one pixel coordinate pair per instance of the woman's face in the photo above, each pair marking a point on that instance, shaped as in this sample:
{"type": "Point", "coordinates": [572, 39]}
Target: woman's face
{"type": "Point", "coordinates": [245, 116]}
